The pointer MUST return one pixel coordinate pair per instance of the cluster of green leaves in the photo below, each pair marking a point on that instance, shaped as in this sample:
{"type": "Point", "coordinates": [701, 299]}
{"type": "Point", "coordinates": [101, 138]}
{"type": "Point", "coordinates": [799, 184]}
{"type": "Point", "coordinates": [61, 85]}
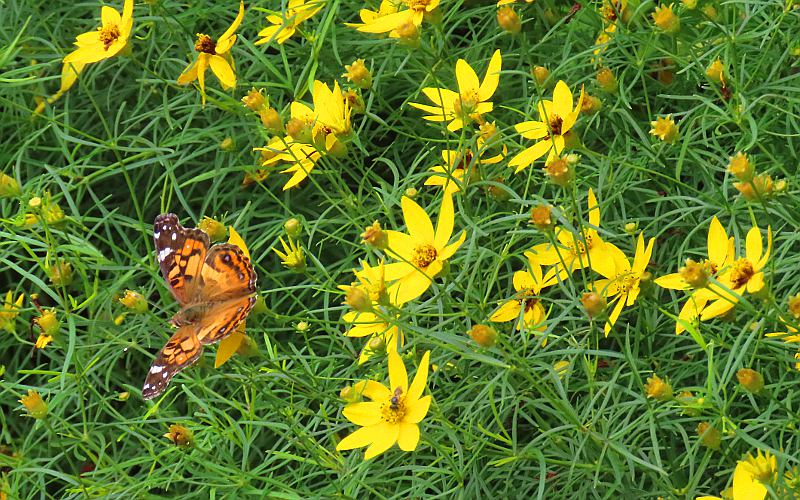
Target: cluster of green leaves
{"type": "Point", "coordinates": [128, 143]}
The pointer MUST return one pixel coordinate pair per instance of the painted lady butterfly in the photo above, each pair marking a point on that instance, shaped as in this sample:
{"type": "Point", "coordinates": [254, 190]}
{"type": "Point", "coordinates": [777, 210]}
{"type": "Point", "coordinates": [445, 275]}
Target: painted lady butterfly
{"type": "Point", "coordinates": [215, 287]}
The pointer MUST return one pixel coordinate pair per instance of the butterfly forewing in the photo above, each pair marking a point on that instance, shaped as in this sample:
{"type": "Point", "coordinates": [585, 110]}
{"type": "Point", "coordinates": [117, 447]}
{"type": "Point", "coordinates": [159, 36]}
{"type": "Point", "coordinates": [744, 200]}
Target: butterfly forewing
{"type": "Point", "coordinates": [227, 273]}
{"type": "Point", "coordinates": [180, 253]}
{"type": "Point", "coordinates": [182, 349]}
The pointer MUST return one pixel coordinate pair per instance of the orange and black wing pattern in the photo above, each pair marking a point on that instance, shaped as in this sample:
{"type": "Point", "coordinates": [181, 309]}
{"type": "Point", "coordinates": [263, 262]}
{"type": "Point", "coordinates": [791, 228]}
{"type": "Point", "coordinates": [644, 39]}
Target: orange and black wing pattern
{"type": "Point", "coordinates": [180, 253]}
{"type": "Point", "coordinates": [182, 349]}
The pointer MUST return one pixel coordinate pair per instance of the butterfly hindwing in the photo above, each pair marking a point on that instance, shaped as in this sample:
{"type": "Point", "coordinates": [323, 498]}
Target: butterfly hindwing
{"type": "Point", "coordinates": [181, 350]}
{"type": "Point", "coordinates": [223, 318]}
{"type": "Point", "coordinates": [180, 253]}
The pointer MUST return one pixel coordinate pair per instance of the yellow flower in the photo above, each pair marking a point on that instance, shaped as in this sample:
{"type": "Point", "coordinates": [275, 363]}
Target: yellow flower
{"type": "Point", "coordinates": [393, 413]}
{"type": "Point", "coordinates": [10, 311]}
{"type": "Point", "coordinates": [658, 389]}
{"type": "Point", "coordinates": [557, 119]}
{"type": "Point", "coordinates": [743, 274]}
{"type": "Point", "coordinates": [423, 252]}
{"type": "Point", "coordinates": [292, 255]}
{"type": "Point", "coordinates": [574, 251]}
{"type": "Point", "coordinates": [470, 102]}
{"type": "Point", "coordinates": [526, 308]}
{"type": "Point", "coordinates": [622, 277]}
{"type": "Point", "coordinates": [302, 158]}
{"type": "Point", "coordinates": [716, 71]}
{"type": "Point", "coordinates": [34, 404]}
{"type": "Point", "coordinates": [285, 25]}
{"type": "Point", "coordinates": [236, 340]}
{"type": "Point", "coordinates": [103, 43]}
{"type": "Point", "coordinates": [216, 55]}
{"type": "Point", "coordinates": [720, 256]}
{"type": "Point", "coordinates": [386, 21]}
{"type": "Point", "coordinates": [451, 175]}
{"type": "Point", "coordinates": [666, 20]}
{"type": "Point", "coordinates": [358, 73]}
{"type": "Point", "coordinates": [369, 16]}
{"type": "Point", "coordinates": [665, 129]}
{"type": "Point", "coordinates": [750, 475]}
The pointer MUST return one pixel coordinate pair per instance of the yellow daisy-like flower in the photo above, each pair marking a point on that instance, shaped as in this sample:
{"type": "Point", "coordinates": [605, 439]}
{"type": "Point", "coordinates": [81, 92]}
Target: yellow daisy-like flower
{"type": "Point", "coordinates": [423, 252]}
{"type": "Point", "coordinates": [470, 102]}
{"type": "Point", "coordinates": [749, 477]}
{"type": "Point", "coordinates": [665, 129]}
{"type": "Point", "coordinates": [526, 308]}
{"type": "Point", "coordinates": [287, 24]}
{"type": "Point", "coordinates": [215, 55]}
{"type": "Point", "coordinates": [743, 275]}
{"type": "Point", "coordinates": [292, 255]}
{"type": "Point", "coordinates": [103, 43]}
{"type": "Point", "coordinates": [557, 117]}
{"type": "Point", "coordinates": [393, 413]}
{"type": "Point", "coordinates": [451, 175]}
{"type": "Point", "coordinates": [385, 21]}
{"type": "Point", "coordinates": [573, 250]}
{"type": "Point", "coordinates": [720, 256]}
{"type": "Point", "coordinates": [10, 311]}
{"type": "Point", "coordinates": [369, 16]}
{"type": "Point", "coordinates": [622, 277]}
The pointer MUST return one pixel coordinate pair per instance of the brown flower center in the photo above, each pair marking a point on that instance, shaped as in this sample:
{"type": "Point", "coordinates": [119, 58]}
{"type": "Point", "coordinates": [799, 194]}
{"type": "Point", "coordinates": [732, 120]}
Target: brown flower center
{"type": "Point", "coordinates": [555, 125]}
{"type": "Point", "coordinates": [626, 282]}
{"type": "Point", "coordinates": [394, 410]}
{"type": "Point", "coordinates": [109, 34]}
{"type": "Point", "coordinates": [741, 273]}
{"type": "Point", "coordinates": [417, 5]}
{"type": "Point", "coordinates": [423, 256]}
{"type": "Point", "coordinates": [205, 44]}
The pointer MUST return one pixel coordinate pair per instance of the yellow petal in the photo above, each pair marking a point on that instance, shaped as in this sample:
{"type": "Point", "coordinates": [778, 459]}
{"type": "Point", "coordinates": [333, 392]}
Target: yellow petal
{"type": "Point", "coordinates": [763, 261]}
{"type": "Point", "coordinates": [672, 281]}
{"type": "Point", "coordinates": [385, 24]}
{"type": "Point", "coordinates": [110, 16]}
{"type": "Point", "coordinates": [223, 71]}
{"type": "Point", "coordinates": [189, 74]}
{"type": "Point", "coordinates": [753, 245]}
{"type": "Point", "coordinates": [445, 223]}
{"type": "Point", "coordinates": [408, 436]}
{"type": "Point", "coordinates": [398, 377]}
{"type": "Point", "coordinates": [507, 312]}
{"type": "Point", "coordinates": [373, 390]}
{"type": "Point", "coordinates": [400, 245]}
{"type": "Point", "coordinates": [420, 378]}
{"type": "Point", "coordinates": [492, 77]}
{"type": "Point", "coordinates": [385, 437]}
{"type": "Point", "coordinates": [717, 308]}
{"type": "Point", "coordinates": [562, 100]}
{"type": "Point", "coordinates": [416, 411]}
{"type": "Point", "coordinates": [466, 77]}
{"type": "Point", "coordinates": [229, 345]}
{"type": "Point", "coordinates": [360, 438]}
{"type": "Point", "coordinates": [745, 486]}
{"type": "Point", "coordinates": [417, 221]}
{"type": "Point", "coordinates": [363, 414]}
{"type": "Point", "coordinates": [235, 239]}
{"type": "Point", "coordinates": [594, 210]}
{"type": "Point", "coordinates": [450, 249]}
{"type": "Point", "coordinates": [532, 129]}
{"type": "Point", "coordinates": [612, 318]}
{"type": "Point", "coordinates": [530, 155]}
{"type": "Point", "coordinates": [225, 41]}
{"type": "Point", "coordinates": [717, 243]}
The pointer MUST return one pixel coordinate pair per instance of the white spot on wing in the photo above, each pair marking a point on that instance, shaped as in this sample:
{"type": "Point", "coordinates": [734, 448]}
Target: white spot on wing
{"type": "Point", "coordinates": [174, 236]}
{"type": "Point", "coordinates": [156, 234]}
{"type": "Point", "coordinates": [165, 374]}
{"type": "Point", "coordinates": [156, 369]}
{"type": "Point", "coordinates": [164, 253]}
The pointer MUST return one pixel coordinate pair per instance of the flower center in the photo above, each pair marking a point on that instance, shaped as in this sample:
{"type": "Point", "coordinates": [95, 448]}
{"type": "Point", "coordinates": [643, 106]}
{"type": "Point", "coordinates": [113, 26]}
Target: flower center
{"type": "Point", "coordinates": [109, 34]}
{"type": "Point", "coordinates": [394, 411]}
{"type": "Point", "coordinates": [423, 256]}
{"type": "Point", "coordinates": [418, 5]}
{"type": "Point", "coordinates": [205, 44]}
{"type": "Point", "coordinates": [581, 247]}
{"type": "Point", "coordinates": [741, 273]}
{"type": "Point", "coordinates": [467, 102]}
{"type": "Point", "coordinates": [555, 125]}
{"type": "Point", "coordinates": [626, 282]}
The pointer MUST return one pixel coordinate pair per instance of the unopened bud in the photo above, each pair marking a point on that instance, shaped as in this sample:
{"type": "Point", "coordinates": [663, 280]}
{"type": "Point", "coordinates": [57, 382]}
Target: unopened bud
{"type": "Point", "coordinates": [483, 335]}
{"type": "Point", "coordinates": [540, 73]}
{"type": "Point", "coordinates": [134, 301]}
{"type": "Point", "coordinates": [508, 19]}
{"type": "Point", "coordinates": [254, 100]}
{"type": "Point", "coordinates": [658, 389]}
{"type": "Point", "coordinates": [60, 273]}
{"type": "Point", "coordinates": [751, 380]}
{"type": "Point", "coordinates": [358, 299]}
{"type": "Point", "coordinates": [215, 230]}
{"type": "Point", "coordinates": [741, 167]}
{"type": "Point", "coordinates": [593, 303]}
{"type": "Point", "coordinates": [227, 144]}
{"type": "Point", "coordinates": [293, 228]}
{"type": "Point", "coordinates": [541, 217]}
{"type": "Point", "coordinates": [607, 80]}
{"type": "Point", "coordinates": [710, 437]}
{"type": "Point", "coordinates": [299, 130]}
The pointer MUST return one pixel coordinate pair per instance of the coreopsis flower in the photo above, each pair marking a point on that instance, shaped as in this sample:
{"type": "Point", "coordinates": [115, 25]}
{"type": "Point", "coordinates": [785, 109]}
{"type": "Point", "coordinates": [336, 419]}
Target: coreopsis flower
{"type": "Point", "coordinates": [749, 477]}
{"type": "Point", "coordinates": [215, 55]}
{"type": "Point", "coordinates": [721, 254]}
{"type": "Point", "coordinates": [557, 117]}
{"type": "Point", "coordinates": [301, 157]}
{"type": "Point", "coordinates": [744, 274]}
{"type": "Point", "coordinates": [422, 252]}
{"type": "Point", "coordinates": [666, 19]}
{"type": "Point", "coordinates": [238, 341]}
{"type": "Point", "coordinates": [452, 176]}
{"type": "Point", "coordinates": [394, 23]}
{"type": "Point", "coordinates": [471, 101]}
{"type": "Point", "coordinates": [285, 25]}
{"type": "Point", "coordinates": [358, 73]}
{"type": "Point", "coordinates": [9, 187]}
{"type": "Point", "coordinates": [623, 277]}
{"type": "Point", "coordinates": [180, 435]}
{"type": "Point", "coordinates": [574, 250]}
{"type": "Point", "coordinates": [716, 71]}
{"type": "Point", "coordinates": [658, 388]}
{"type": "Point", "coordinates": [292, 256]}
{"type": "Point", "coordinates": [103, 43]}
{"type": "Point", "coordinates": [665, 129]}
{"type": "Point", "coordinates": [134, 301]}
{"type": "Point", "coordinates": [393, 413]}
{"type": "Point", "coordinates": [10, 311]}
{"type": "Point", "coordinates": [48, 322]}
{"type": "Point", "coordinates": [34, 405]}
{"type": "Point", "coordinates": [526, 307]}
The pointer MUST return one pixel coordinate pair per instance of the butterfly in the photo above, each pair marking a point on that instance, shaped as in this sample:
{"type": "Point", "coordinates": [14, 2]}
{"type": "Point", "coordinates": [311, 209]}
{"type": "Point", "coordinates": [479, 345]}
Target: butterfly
{"type": "Point", "coordinates": [215, 287]}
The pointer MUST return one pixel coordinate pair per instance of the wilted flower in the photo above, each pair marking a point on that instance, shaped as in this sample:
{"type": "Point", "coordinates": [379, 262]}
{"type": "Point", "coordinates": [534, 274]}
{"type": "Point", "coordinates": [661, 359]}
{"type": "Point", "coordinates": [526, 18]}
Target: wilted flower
{"type": "Point", "coordinates": [710, 437]}
{"type": "Point", "coordinates": [10, 311]}
{"type": "Point", "coordinates": [751, 380]}
{"type": "Point", "coordinates": [716, 71]}
{"type": "Point", "coordinates": [180, 435]}
{"type": "Point", "coordinates": [34, 404]}
{"type": "Point", "coordinates": [358, 73]}
{"type": "Point", "coordinates": [292, 255]}
{"type": "Point", "coordinates": [508, 19]}
{"type": "Point", "coordinates": [666, 19]}
{"type": "Point", "coordinates": [483, 335]}
{"type": "Point", "coordinates": [134, 301]}
{"type": "Point", "coordinates": [215, 230]}
{"type": "Point", "coordinates": [658, 389]}
{"type": "Point", "coordinates": [375, 236]}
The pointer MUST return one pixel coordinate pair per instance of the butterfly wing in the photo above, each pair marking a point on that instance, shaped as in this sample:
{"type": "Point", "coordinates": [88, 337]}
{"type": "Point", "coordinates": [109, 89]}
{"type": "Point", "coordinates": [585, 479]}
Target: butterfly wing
{"type": "Point", "coordinates": [180, 253]}
{"type": "Point", "coordinates": [222, 319]}
{"type": "Point", "coordinates": [181, 350]}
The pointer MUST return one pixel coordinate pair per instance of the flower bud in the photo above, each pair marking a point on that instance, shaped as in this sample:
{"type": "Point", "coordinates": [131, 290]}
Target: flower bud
{"type": "Point", "coordinates": [34, 404]}
{"type": "Point", "coordinates": [293, 228]}
{"type": "Point", "coordinates": [350, 394]}
{"type": "Point", "coordinates": [355, 101]}
{"type": "Point", "coordinates": [180, 435]}
{"type": "Point", "coordinates": [48, 322]}
{"type": "Point", "coordinates": [302, 326]}
{"type": "Point", "coordinates": [751, 380]}
{"type": "Point", "coordinates": [593, 303]}
{"type": "Point", "coordinates": [358, 73]}
{"type": "Point", "coordinates": [741, 167]}
{"type": "Point", "coordinates": [560, 172]}
{"type": "Point", "coordinates": [215, 230]}
{"type": "Point", "coordinates": [254, 100]}
{"type": "Point", "coordinates": [541, 217]}
{"type": "Point", "coordinates": [590, 105]}
{"type": "Point", "coordinates": [408, 34]}
{"type": "Point", "coordinates": [658, 389]}
{"type": "Point", "coordinates": [376, 343]}
{"type": "Point", "coordinates": [260, 307]}
{"type": "Point", "coordinates": [488, 132]}
{"type": "Point", "coordinates": [715, 71]}
{"type": "Point", "coordinates": [760, 187]}
{"type": "Point", "coordinates": [710, 12]}
{"type": "Point", "coordinates": [631, 228]}
{"type": "Point", "coordinates": [607, 80]}
{"type": "Point", "coordinates": [60, 273]}
{"type": "Point", "coordinates": [9, 188]}
{"type": "Point", "coordinates": [666, 20]}
{"type": "Point", "coordinates": [540, 73]}
{"type": "Point", "coordinates": [299, 130]}
{"type": "Point", "coordinates": [794, 306]}
{"type": "Point", "coordinates": [497, 192]}
{"type": "Point", "coordinates": [483, 335]}
{"type": "Point", "coordinates": [411, 193]}
{"type": "Point", "coordinates": [689, 4]}
{"type": "Point", "coordinates": [227, 144]}
{"type": "Point", "coordinates": [123, 396]}
{"type": "Point", "coordinates": [271, 120]}
{"type": "Point", "coordinates": [508, 19]}
{"type": "Point", "coordinates": [358, 299]}
{"type": "Point", "coordinates": [695, 274]}
{"type": "Point", "coordinates": [710, 437]}
{"type": "Point", "coordinates": [134, 301]}
{"type": "Point", "coordinates": [43, 341]}
{"type": "Point", "coordinates": [374, 236]}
